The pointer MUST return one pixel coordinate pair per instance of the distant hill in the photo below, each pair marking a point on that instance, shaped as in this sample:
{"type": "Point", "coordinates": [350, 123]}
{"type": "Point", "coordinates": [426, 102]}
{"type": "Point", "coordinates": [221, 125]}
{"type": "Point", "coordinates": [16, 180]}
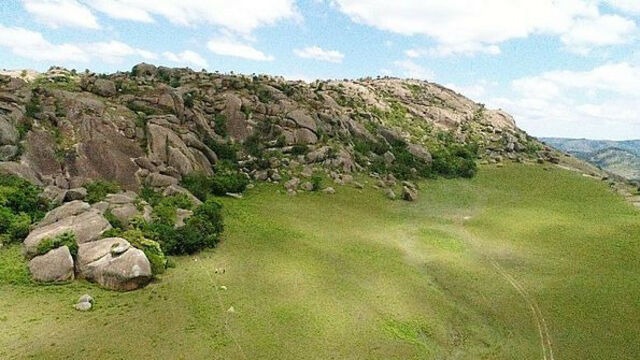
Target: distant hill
{"type": "Point", "coordinates": [618, 157]}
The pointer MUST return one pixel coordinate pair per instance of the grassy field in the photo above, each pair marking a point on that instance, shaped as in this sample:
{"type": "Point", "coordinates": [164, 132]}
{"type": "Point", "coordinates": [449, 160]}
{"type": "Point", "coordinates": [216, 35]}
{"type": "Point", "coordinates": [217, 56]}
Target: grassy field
{"type": "Point", "coordinates": [476, 269]}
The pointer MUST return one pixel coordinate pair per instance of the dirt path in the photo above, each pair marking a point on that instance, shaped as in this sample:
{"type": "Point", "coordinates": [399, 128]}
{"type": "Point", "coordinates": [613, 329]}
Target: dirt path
{"type": "Point", "coordinates": [546, 342]}
{"type": "Point", "coordinates": [543, 330]}
{"type": "Point", "coordinates": [225, 313]}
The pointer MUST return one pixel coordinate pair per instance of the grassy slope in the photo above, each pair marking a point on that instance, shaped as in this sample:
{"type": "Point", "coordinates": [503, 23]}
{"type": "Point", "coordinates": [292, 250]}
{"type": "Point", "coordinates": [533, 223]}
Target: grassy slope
{"type": "Point", "coordinates": [357, 276]}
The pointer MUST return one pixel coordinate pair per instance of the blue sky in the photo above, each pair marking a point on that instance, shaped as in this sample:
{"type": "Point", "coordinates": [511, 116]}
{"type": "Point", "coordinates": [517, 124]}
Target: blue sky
{"type": "Point", "coordinates": [566, 68]}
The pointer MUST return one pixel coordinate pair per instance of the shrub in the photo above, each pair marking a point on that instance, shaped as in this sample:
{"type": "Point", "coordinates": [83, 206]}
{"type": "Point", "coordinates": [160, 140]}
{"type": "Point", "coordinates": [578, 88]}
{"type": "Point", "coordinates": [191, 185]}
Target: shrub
{"type": "Point", "coordinates": [33, 107]}
{"type": "Point", "coordinates": [150, 195]}
{"type": "Point", "coordinates": [202, 229]}
{"type": "Point", "coordinates": [299, 150]}
{"type": "Point", "coordinates": [365, 146]}
{"type": "Point", "coordinates": [19, 227]}
{"type": "Point", "coordinates": [220, 122]}
{"type": "Point", "coordinates": [21, 196]}
{"type": "Point", "coordinates": [228, 183]}
{"type": "Point", "coordinates": [67, 238]}
{"type": "Point", "coordinates": [115, 222]}
{"type": "Point", "coordinates": [225, 151]}
{"type": "Point", "coordinates": [316, 181]}
{"type": "Point", "coordinates": [264, 95]}
{"type": "Point", "coordinates": [99, 189]}
{"type": "Point", "coordinates": [224, 181]}
{"type": "Point", "coordinates": [151, 249]}
{"type": "Point", "coordinates": [198, 184]}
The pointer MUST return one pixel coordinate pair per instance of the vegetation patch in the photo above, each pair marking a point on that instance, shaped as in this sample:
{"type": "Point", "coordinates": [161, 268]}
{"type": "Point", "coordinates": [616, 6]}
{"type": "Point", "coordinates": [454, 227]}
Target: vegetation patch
{"type": "Point", "coordinates": [99, 189]}
{"type": "Point", "coordinates": [67, 239]}
{"type": "Point", "coordinates": [20, 206]}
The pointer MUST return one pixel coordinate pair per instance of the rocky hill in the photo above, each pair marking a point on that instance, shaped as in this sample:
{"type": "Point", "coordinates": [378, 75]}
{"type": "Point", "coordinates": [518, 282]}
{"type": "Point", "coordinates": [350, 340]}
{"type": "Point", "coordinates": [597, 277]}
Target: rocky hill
{"type": "Point", "coordinates": [152, 125]}
{"type": "Point", "coordinates": [621, 158]}
{"type": "Point", "coordinates": [131, 159]}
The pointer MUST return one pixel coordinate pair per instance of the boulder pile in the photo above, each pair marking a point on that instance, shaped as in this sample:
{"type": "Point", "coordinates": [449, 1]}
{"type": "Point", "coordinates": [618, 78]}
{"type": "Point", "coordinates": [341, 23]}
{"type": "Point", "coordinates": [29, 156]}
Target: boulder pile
{"type": "Point", "coordinates": [112, 262]}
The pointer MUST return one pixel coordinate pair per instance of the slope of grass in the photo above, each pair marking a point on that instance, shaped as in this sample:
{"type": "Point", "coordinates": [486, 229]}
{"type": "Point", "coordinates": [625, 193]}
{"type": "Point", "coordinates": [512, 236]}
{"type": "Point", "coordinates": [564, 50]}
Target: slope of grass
{"type": "Point", "coordinates": [356, 276]}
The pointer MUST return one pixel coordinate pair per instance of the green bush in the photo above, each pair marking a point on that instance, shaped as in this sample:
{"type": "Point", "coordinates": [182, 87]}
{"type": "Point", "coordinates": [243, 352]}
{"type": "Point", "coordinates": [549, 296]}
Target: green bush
{"type": "Point", "coordinates": [150, 195]}
{"type": "Point", "coordinates": [115, 223]}
{"type": "Point", "coordinates": [202, 230]}
{"type": "Point", "coordinates": [151, 249]}
{"type": "Point", "coordinates": [21, 196]}
{"type": "Point", "coordinates": [228, 183]}
{"type": "Point", "coordinates": [99, 189]}
{"type": "Point", "coordinates": [67, 238]}
{"type": "Point", "coordinates": [20, 205]}
{"type": "Point", "coordinates": [19, 227]}
{"type": "Point", "coordinates": [220, 122]}
{"type": "Point", "coordinates": [225, 151]}
{"type": "Point", "coordinates": [198, 184]}
{"type": "Point", "coordinates": [316, 181]}
{"type": "Point", "coordinates": [299, 150]}
{"type": "Point", "coordinates": [222, 182]}
{"type": "Point", "coordinates": [365, 146]}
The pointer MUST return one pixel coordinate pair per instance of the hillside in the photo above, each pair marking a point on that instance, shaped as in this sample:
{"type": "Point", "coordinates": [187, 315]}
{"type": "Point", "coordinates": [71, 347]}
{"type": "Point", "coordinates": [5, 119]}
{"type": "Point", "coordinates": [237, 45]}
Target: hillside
{"type": "Point", "coordinates": [618, 157]}
{"type": "Point", "coordinates": [257, 217]}
{"type": "Point", "coordinates": [355, 275]}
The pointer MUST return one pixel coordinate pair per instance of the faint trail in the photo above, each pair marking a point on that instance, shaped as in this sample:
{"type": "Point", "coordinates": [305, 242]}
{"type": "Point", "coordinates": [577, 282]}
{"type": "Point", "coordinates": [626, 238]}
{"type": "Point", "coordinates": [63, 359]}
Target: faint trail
{"type": "Point", "coordinates": [543, 331]}
{"type": "Point", "coordinates": [224, 312]}
{"type": "Point", "coordinates": [546, 342]}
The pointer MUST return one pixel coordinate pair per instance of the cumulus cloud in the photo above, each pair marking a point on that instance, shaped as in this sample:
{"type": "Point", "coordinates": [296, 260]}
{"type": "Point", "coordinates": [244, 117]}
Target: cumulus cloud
{"type": "Point", "coordinates": [242, 16]}
{"type": "Point", "coordinates": [186, 57]}
{"type": "Point", "coordinates": [410, 69]}
{"type": "Point", "coordinates": [603, 102]}
{"type": "Point", "coordinates": [116, 51]}
{"type": "Point", "coordinates": [317, 53]}
{"type": "Point", "coordinates": [229, 46]}
{"type": "Point", "coordinates": [465, 27]}
{"type": "Point", "coordinates": [604, 30]}
{"type": "Point", "coordinates": [32, 45]}
{"type": "Point", "coordinates": [629, 6]}
{"type": "Point", "coordinates": [56, 13]}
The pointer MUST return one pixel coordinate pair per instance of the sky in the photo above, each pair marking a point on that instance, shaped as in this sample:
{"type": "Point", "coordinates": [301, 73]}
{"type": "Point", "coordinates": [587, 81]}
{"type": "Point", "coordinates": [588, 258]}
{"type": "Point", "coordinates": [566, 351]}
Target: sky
{"type": "Point", "coordinates": [565, 68]}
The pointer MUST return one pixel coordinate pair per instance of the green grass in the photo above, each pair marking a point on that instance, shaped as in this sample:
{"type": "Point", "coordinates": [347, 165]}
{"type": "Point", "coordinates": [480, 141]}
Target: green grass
{"type": "Point", "coordinates": [356, 276]}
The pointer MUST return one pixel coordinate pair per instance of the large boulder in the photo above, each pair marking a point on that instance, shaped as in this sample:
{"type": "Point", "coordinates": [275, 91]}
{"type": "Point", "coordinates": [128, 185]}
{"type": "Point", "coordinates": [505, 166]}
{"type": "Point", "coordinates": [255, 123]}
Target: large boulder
{"type": "Point", "coordinates": [87, 227]}
{"type": "Point", "coordinates": [172, 190]}
{"type": "Point", "coordinates": [72, 208]}
{"type": "Point", "coordinates": [21, 171]}
{"type": "Point", "coordinates": [237, 125]}
{"type": "Point", "coordinates": [104, 87]}
{"type": "Point", "coordinates": [8, 133]}
{"type": "Point", "coordinates": [54, 266]}
{"type": "Point", "coordinates": [114, 264]}
{"type": "Point", "coordinates": [420, 152]}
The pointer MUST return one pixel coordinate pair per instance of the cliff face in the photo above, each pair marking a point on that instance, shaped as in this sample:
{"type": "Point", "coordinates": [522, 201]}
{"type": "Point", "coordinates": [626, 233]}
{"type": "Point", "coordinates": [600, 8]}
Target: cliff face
{"type": "Point", "coordinates": [153, 125]}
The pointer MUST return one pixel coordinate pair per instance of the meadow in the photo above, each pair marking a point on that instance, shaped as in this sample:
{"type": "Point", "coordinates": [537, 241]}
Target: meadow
{"type": "Point", "coordinates": [516, 263]}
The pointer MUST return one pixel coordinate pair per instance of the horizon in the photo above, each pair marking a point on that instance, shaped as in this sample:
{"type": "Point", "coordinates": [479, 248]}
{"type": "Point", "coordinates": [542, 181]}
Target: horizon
{"type": "Point", "coordinates": [563, 69]}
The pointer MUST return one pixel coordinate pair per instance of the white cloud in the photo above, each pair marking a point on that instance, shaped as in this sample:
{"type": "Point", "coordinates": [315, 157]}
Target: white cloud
{"type": "Point", "coordinates": [410, 69]}
{"type": "Point", "coordinates": [467, 27]}
{"type": "Point", "coordinates": [315, 52]}
{"type": "Point", "coordinates": [443, 50]}
{"type": "Point", "coordinates": [603, 102]}
{"type": "Point", "coordinates": [116, 51]}
{"type": "Point", "coordinates": [242, 16]}
{"type": "Point", "coordinates": [120, 10]}
{"type": "Point", "coordinates": [56, 13]}
{"type": "Point", "coordinates": [186, 57]}
{"type": "Point", "coordinates": [600, 31]}
{"type": "Point", "coordinates": [629, 6]}
{"type": "Point", "coordinates": [32, 45]}
{"type": "Point", "coordinates": [228, 46]}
